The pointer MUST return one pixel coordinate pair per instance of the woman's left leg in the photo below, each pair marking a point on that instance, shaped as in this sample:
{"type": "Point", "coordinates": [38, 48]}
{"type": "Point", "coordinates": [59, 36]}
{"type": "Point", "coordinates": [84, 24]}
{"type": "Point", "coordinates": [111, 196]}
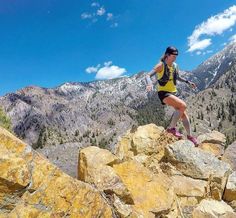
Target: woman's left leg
{"type": "Point", "coordinates": [187, 126]}
{"type": "Point", "coordinates": [186, 123]}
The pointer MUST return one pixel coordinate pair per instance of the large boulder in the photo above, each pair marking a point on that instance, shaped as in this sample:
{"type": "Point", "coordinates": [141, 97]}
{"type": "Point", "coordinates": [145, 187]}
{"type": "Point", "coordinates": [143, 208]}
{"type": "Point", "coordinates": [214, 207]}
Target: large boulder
{"type": "Point", "coordinates": [146, 140]}
{"type": "Point", "coordinates": [32, 187]}
{"type": "Point", "coordinates": [90, 158]}
{"type": "Point", "coordinates": [197, 164]}
{"type": "Point", "coordinates": [152, 194]}
{"type": "Point", "coordinates": [94, 169]}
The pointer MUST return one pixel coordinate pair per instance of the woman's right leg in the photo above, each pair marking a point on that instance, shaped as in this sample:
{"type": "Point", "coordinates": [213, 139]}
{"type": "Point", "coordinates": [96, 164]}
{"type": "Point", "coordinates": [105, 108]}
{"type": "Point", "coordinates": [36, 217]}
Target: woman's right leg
{"type": "Point", "coordinates": [180, 108]}
{"type": "Point", "coordinates": [179, 105]}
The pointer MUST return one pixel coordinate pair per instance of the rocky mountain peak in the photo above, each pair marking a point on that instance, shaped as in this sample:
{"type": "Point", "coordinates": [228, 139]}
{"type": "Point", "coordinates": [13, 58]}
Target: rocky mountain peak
{"type": "Point", "coordinates": [213, 68]}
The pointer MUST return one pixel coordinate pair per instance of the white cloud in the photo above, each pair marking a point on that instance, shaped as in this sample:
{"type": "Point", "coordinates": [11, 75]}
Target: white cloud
{"type": "Point", "coordinates": [214, 25]}
{"type": "Point", "coordinates": [109, 16]}
{"type": "Point", "coordinates": [108, 71]}
{"type": "Point", "coordinates": [97, 12]}
{"type": "Point", "coordinates": [108, 63]}
{"type": "Point", "coordinates": [95, 4]}
{"type": "Point", "coordinates": [233, 38]}
{"type": "Point", "coordinates": [200, 45]}
{"type": "Point", "coordinates": [86, 15]}
{"type": "Point", "coordinates": [101, 11]}
{"type": "Point", "coordinates": [93, 69]}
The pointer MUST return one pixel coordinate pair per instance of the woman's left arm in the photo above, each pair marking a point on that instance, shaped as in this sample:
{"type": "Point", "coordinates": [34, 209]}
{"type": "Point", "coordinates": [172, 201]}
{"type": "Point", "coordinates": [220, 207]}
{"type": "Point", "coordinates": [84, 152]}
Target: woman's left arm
{"type": "Point", "coordinates": [193, 85]}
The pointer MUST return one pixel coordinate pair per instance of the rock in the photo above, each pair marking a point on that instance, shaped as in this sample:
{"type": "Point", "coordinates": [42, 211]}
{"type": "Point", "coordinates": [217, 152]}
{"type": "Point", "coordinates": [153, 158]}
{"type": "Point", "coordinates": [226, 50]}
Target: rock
{"type": "Point", "coordinates": [122, 209]}
{"type": "Point", "coordinates": [233, 205]}
{"type": "Point", "coordinates": [92, 157]}
{"type": "Point", "coordinates": [146, 140]}
{"type": "Point", "coordinates": [215, 149]}
{"type": "Point", "coordinates": [14, 178]}
{"type": "Point", "coordinates": [31, 187]}
{"type": "Point", "coordinates": [230, 155]}
{"type": "Point", "coordinates": [64, 195]}
{"type": "Point", "coordinates": [141, 158]}
{"type": "Point", "coordinates": [213, 137]}
{"type": "Point", "coordinates": [188, 187]}
{"type": "Point", "coordinates": [213, 209]}
{"type": "Point", "coordinates": [150, 192]}
{"type": "Point", "coordinates": [197, 164]}
{"type": "Point", "coordinates": [14, 169]}
{"type": "Point", "coordinates": [94, 169]}
{"type": "Point", "coordinates": [42, 171]}
{"type": "Point", "coordinates": [230, 190]}
{"type": "Point", "coordinates": [28, 211]}
{"type": "Point", "coordinates": [123, 149]}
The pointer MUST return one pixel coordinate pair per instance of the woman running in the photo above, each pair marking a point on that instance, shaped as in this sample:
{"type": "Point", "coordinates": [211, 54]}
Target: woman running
{"type": "Point", "coordinates": [167, 75]}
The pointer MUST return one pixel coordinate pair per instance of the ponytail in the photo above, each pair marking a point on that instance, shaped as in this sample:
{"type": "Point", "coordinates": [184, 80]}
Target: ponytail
{"type": "Point", "coordinates": [163, 57]}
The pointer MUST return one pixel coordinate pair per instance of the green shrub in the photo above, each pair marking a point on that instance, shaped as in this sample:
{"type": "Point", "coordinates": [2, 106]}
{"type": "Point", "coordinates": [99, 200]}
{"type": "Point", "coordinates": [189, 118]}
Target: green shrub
{"type": "Point", "coordinates": [5, 121]}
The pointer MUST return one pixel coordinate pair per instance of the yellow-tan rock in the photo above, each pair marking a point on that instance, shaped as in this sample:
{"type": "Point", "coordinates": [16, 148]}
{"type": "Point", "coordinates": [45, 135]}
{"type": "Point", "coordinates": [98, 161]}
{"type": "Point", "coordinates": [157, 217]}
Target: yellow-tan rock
{"type": "Point", "coordinates": [15, 174]}
{"type": "Point", "coordinates": [150, 192]}
{"type": "Point", "coordinates": [92, 157]}
{"type": "Point", "coordinates": [215, 149]}
{"type": "Point", "coordinates": [32, 187]}
{"type": "Point", "coordinates": [145, 140]}
{"type": "Point", "coordinates": [230, 189]}
{"type": "Point", "coordinates": [188, 187]}
{"type": "Point", "coordinates": [122, 209]}
{"type": "Point", "coordinates": [212, 208]}
{"type": "Point", "coordinates": [93, 168]}
{"type": "Point", "coordinates": [123, 148]}
{"type": "Point", "coordinates": [214, 137]}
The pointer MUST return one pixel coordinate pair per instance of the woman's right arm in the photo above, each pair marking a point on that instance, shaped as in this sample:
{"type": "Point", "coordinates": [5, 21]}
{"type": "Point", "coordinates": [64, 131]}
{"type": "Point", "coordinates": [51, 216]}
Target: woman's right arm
{"type": "Point", "coordinates": [156, 69]}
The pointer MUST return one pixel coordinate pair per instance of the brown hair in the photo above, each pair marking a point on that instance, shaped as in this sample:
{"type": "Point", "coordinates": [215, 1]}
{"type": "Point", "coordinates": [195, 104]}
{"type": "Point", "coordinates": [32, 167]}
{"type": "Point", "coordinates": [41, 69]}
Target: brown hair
{"type": "Point", "coordinates": [164, 56]}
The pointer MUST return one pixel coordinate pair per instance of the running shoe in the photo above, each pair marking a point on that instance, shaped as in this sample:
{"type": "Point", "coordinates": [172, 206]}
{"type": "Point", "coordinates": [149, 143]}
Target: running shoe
{"type": "Point", "coordinates": [174, 132]}
{"type": "Point", "coordinates": [193, 140]}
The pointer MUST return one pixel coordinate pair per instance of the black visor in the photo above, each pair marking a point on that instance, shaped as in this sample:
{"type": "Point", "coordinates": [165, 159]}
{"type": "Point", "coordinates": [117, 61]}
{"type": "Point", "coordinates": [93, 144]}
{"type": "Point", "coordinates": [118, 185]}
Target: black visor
{"type": "Point", "coordinates": [171, 50]}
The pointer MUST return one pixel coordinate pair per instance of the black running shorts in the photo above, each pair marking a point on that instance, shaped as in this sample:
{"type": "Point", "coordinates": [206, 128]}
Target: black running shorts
{"type": "Point", "coordinates": [164, 94]}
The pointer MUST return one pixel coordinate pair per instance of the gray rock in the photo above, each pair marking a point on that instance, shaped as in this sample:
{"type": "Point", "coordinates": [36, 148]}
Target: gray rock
{"type": "Point", "coordinates": [195, 163]}
{"type": "Point", "coordinates": [230, 155]}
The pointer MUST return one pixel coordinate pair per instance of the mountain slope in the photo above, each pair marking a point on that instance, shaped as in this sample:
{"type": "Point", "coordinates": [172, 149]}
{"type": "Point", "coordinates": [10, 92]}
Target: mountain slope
{"type": "Point", "coordinates": [89, 113]}
{"type": "Point", "coordinates": [214, 107]}
{"type": "Point", "coordinates": [213, 68]}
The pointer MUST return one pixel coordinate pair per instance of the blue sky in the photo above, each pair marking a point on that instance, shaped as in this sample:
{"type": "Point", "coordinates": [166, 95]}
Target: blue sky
{"type": "Point", "coordinates": [49, 42]}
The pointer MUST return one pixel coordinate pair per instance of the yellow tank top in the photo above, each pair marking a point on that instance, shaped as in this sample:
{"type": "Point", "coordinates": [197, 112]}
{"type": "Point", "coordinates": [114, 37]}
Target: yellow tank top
{"type": "Point", "coordinates": [170, 86]}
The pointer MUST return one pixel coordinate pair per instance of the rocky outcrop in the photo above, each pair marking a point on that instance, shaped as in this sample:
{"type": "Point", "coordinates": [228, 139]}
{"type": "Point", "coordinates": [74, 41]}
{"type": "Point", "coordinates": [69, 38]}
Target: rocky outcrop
{"type": "Point", "coordinates": [30, 186]}
{"type": "Point", "coordinates": [161, 176]}
{"type": "Point", "coordinates": [150, 175]}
